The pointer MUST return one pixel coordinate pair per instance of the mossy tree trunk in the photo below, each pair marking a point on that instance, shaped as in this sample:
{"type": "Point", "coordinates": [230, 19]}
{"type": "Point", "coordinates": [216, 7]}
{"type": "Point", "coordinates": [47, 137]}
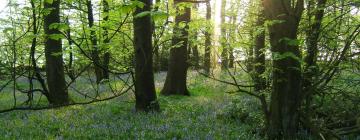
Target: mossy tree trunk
{"type": "Point", "coordinates": [259, 52]}
{"type": "Point", "coordinates": [286, 89]}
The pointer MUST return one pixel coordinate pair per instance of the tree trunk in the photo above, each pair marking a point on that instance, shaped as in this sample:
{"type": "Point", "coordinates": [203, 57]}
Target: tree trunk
{"type": "Point", "coordinates": [94, 50]}
{"type": "Point", "coordinates": [70, 68]}
{"type": "Point", "coordinates": [312, 42]}
{"type": "Point", "coordinates": [259, 53]}
{"type": "Point", "coordinates": [58, 94]}
{"type": "Point", "coordinates": [157, 59]}
{"type": "Point", "coordinates": [195, 57]}
{"type": "Point", "coordinates": [231, 49]}
{"type": "Point", "coordinates": [207, 54]}
{"type": "Point", "coordinates": [223, 38]}
{"type": "Point", "coordinates": [311, 68]}
{"type": "Point", "coordinates": [106, 41]}
{"type": "Point", "coordinates": [175, 83]}
{"type": "Point", "coordinates": [144, 77]}
{"type": "Point", "coordinates": [286, 93]}
{"type": "Point", "coordinates": [33, 50]}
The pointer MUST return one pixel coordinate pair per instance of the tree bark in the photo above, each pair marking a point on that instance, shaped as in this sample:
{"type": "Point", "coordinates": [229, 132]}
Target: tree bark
{"type": "Point", "coordinates": [144, 77]}
{"type": "Point", "coordinates": [207, 54]}
{"type": "Point", "coordinates": [94, 50]}
{"type": "Point", "coordinates": [106, 41]}
{"type": "Point", "coordinates": [223, 38]}
{"type": "Point", "coordinates": [58, 94]}
{"type": "Point", "coordinates": [231, 49]}
{"type": "Point", "coordinates": [259, 53]}
{"type": "Point", "coordinates": [195, 59]}
{"type": "Point", "coordinates": [175, 83]}
{"type": "Point", "coordinates": [70, 68]}
{"type": "Point", "coordinates": [286, 92]}
{"type": "Point", "coordinates": [33, 50]}
{"type": "Point", "coordinates": [312, 44]}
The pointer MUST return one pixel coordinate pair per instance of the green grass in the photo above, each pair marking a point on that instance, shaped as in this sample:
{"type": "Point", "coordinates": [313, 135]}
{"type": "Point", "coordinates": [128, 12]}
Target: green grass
{"type": "Point", "coordinates": [203, 115]}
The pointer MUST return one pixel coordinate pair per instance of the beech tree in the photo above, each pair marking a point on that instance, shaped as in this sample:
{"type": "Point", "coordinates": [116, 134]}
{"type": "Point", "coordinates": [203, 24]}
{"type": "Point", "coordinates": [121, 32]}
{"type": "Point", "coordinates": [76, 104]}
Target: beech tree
{"type": "Point", "coordinates": [144, 76]}
{"type": "Point", "coordinates": [207, 53]}
{"type": "Point", "coordinates": [175, 82]}
{"type": "Point", "coordinates": [259, 51]}
{"type": "Point", "coordinates": [223, 38]}
{"type": "Point", "coordinates": [94, 43]}
{"type": "Point", "coordinates": [286, 87]}
{"type": "Point", "coordinates": [58, 94]}
{"type": "Point", "coordinates": [106, 40]}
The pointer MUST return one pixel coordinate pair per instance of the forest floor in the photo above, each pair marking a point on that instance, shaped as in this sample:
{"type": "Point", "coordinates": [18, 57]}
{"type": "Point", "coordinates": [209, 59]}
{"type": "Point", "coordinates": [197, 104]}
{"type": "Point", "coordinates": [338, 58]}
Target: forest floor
{"type": "Point", "coordinates": [203, 115]}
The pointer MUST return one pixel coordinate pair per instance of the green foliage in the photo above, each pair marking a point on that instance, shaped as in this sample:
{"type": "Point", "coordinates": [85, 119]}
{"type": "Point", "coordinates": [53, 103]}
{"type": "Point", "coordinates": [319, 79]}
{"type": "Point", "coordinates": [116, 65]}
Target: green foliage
{"type": "Point", "coordinates": [193, 117]}
{"type": "Point", "coordinates": [59, 26]}
{"type": "Point", "coordinates": [49, 1]}
{"type": "Point", "coordinates": [244, 110]}
{"type": "Point", "coordinates": [56, 36]}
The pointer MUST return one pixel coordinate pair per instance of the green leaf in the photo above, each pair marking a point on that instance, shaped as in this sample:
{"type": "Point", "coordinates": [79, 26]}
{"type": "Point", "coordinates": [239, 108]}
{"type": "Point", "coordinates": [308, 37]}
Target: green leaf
{"type": "Point", "coordinates": [142, 14]}
{"type": "Point", "coordinates": [49, 1]}
{"type": "Point", "coordinates": [159, 15]}
{"type": "Point", "coordinates": [56, 36]}
{"type": "Point", "coordinates": [138, 4]}
{"type": "Point", "coordinates": [291, 42]}
{"type": "Point", "coordinates": [278, 56]}
{"type": "Point", "coordinates": [59, 26]}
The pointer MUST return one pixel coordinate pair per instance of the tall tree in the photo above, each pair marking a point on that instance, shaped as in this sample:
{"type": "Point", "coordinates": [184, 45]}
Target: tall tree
{"type": "Point", "coordinates": [207, 54]}
{"type": "Point", "coordinates": [259, 51]}
{"type": "Point", "coordinates": [157, 60]}
{"type": "Point", "coordinates": [36, 69]}
{"type": "Point", "coordinates": [195, 59]}
{"type": "Point", "coordinates": [58, 94]}
{"type": "Point", "coordinates": [70, 69]}
{"type": "Point", "coordinates": [175, 82]}
{"type": "Point", "coordinates": [144, 77]}
{"type": "Point", "coordinates": [285, 16]}
{"type": "Point", "coordinates": [312, 42]}
{"type": "Point", "coordinates": [223, 38]}
{"type": "Point", "coordinates": [106, 40]}
{"type": "Point", "coordinates": [231, 49]}
{"type": "Point", "coordinates": [94, 43]}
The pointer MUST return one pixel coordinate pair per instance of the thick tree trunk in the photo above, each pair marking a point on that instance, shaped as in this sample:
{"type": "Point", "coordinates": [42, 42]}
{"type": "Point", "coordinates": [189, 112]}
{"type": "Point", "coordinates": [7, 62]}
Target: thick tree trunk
{"type": "Point", "coordinates": [94, 50]}
{"type": "Point", "coordinates": [106, 40]}
{"type": "Point", "coordinates": [207, 54]}
{"type": "Point", "coordinates": [286, 92]}
{"type": "Point", "coordinates": [58, 94]}
{"type": "Point", "coordinates": [144, 77]}
{"type": "Point", "coordinates": [175, 83]}
{"type": "Point", "coordinates": [259, 53]}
